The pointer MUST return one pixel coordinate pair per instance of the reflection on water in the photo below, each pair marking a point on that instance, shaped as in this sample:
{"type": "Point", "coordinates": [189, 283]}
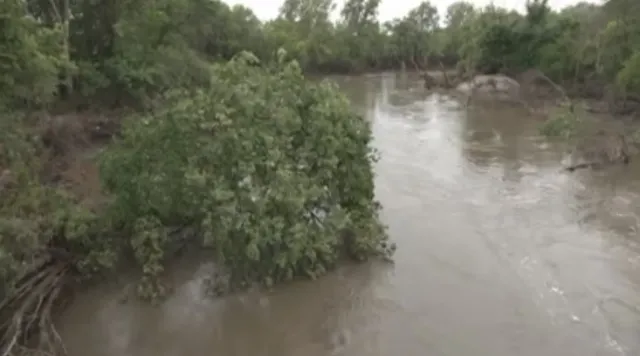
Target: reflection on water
{"type": "Point", "coordinates": [500, 253]}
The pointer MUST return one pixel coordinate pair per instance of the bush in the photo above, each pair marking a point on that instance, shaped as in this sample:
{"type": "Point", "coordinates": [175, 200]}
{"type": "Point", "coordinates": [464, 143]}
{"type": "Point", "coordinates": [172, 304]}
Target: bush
{"type": "Point", "coordinates": [564, 123]}
{"type": "Point", "coordinates": [36, 216]}
{"type": "Point", "coordinates": [30, 58]}
{"type": "Point", "coordinates": [628, 78]}
{"type": "Point", "coordinates": [273, 171]}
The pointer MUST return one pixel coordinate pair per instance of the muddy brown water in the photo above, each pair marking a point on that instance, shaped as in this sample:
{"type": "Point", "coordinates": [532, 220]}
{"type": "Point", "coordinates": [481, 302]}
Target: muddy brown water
{"type": "Point", "coordinates": [500, 253]}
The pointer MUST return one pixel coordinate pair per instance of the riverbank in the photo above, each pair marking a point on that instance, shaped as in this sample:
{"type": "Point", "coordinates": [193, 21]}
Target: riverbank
{"type": "Point", "coordinates": [223, 166]}
{"type": "Point", "coordinates": [72, 145]}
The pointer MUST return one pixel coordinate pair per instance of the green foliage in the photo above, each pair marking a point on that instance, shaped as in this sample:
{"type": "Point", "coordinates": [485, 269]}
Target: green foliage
{"type": "Point", "coordinates": [248, 152]}
{"type": "Point", "coordinates": [564, 123]}
{"type": "Point", "coordinates": [628, 78]}
{"type": "Point", "coordinates": [35, 216]}
{"type": "Point", "coordinates": [269, 167]}
{"type": "Point", "coordinates": [30, 58]}
{"type": "Point", "coordinates": [135, 51]}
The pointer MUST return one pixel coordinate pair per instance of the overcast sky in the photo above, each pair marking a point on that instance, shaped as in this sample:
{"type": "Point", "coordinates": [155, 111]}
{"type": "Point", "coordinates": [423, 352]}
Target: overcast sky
{"type": "Point", "coordinates": [390, 9]}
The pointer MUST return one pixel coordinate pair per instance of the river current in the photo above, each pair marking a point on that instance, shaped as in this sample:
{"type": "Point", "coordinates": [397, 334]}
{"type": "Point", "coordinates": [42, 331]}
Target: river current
{"type": "Point", "coordinates": [500, 253]}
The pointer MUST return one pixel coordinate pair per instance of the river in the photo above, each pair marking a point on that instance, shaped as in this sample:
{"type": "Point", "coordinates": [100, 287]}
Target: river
{"type": "Point", "coordinates": [500, 253]}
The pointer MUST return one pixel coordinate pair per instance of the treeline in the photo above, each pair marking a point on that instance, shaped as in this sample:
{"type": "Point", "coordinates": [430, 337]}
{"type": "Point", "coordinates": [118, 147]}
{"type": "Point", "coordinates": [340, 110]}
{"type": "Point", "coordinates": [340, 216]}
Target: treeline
{"type": "Point", "coordinates": [124, 51]}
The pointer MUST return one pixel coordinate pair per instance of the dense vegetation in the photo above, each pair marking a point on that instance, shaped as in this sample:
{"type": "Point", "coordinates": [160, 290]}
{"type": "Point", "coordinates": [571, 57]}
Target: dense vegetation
{"type": "Point", "coordinates": [125, 51]}
{"type": "Point", "coordinates": [229, 145]}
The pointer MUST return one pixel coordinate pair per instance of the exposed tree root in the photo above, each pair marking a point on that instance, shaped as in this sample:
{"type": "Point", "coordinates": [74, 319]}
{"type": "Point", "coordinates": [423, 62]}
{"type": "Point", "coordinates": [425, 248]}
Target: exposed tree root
{"type": "Point", "coordinates": [575, 167]}
{"type": "Point", "coordinates": [597, 165]}
{"type": "Point", "coordinates": [28, 310]}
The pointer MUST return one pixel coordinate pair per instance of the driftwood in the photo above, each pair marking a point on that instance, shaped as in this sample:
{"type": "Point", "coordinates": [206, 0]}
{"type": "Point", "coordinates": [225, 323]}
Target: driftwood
{"type": "Point", "coordinates": [442, 82]}
{"type": "Point", "coordinates": [598, 150]}
{"type": "Point", "coordinates": [593, 165]}
{"type": "Point", "coordinates": [530, 81]}
{"type": "Point", "coordinates": [497, 83]}
{"type": "Point", "coordinates": [496, 86]}
{"type": "Point", "coordinates": [528, 78]}
{"type": "Point", "coordinates": [581, 166]}
{"type": "Point", "coordinates": [601, 150]}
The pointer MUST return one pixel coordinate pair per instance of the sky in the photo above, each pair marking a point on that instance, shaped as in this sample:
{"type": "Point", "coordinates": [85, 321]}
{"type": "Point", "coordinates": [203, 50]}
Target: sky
{"type": "Point", "coordinates": [390, 9]}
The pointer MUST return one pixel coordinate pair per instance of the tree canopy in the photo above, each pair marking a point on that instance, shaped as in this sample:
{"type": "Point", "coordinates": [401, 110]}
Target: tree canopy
{"type": "Point", "coordinates": [124, 50]}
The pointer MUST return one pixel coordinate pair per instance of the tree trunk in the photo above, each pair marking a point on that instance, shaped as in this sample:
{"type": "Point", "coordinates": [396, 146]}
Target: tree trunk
{"type": "Point", "coordinates": [67, 79]}
{"type": "Point", "coordinates": [61, 13]}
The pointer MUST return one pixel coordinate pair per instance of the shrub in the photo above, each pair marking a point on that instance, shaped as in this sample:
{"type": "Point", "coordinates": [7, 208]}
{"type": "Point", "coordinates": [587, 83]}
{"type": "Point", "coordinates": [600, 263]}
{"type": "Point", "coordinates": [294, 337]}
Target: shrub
{"type": "Point", "coordinates": [564, 122]}
{"type": "Point", "coordinates": [272, 169]}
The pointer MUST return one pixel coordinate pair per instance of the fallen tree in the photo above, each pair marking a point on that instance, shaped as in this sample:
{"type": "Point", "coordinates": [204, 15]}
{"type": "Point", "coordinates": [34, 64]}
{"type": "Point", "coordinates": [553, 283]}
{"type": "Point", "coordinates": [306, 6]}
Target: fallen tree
{"type": "Point", "coordinates": [601, 149]}
{"type": "Point", "coordinates": [521, 88]}
{"type": "Point", "coordinates": [593, 148]}
{"type": "Point", "coordinates": [271, 170]}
